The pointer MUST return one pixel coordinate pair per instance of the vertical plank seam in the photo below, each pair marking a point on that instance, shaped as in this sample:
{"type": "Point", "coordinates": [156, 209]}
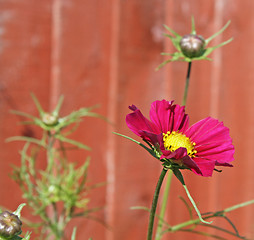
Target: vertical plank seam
{"type": "Point", "coordinates": [56, 31]}
{"type": "Point", "coordinates": [169, 9]}
{"type": "Point", "coordinates": [112, 116]}
{"type": "Point", "coordinates": [215, 93]}
{"type": "Point", "coordinates": [217, 60]}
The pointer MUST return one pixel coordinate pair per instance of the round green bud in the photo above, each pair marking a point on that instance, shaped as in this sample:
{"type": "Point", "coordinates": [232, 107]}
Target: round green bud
{"type": "Point", "coordinates": [192, 45]}
{"type": "Point", "coordinates": [10, 224]}
{"type": "Point", "coordinates": [49, 119]}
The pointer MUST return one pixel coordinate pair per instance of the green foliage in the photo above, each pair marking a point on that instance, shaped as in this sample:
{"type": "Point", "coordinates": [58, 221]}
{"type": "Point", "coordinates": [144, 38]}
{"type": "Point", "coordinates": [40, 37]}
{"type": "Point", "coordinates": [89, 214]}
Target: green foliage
{"type": "Point", "coordinates": [58, 192]}
{"type": "Point", "coordinates": [179, 54]}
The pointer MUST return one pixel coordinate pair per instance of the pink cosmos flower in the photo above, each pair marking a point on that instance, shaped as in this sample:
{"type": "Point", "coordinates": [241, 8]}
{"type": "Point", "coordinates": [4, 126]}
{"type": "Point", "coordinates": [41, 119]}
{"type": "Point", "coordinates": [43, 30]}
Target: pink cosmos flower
{"type": "Point", "coordinates": [200, 148]}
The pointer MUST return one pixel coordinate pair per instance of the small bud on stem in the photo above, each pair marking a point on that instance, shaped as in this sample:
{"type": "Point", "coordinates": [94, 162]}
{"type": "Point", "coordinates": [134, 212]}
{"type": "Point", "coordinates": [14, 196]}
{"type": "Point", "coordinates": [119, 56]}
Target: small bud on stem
{"type": "Point", "coordinates": [192, 45]}
{"type": "Point", "coordinates": [10, 224]}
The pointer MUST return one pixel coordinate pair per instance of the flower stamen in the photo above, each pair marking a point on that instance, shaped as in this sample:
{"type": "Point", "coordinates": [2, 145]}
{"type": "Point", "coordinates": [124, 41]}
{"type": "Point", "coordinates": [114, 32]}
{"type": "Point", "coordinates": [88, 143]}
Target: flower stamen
{"type": "Point", "coordinates": [174, 140]}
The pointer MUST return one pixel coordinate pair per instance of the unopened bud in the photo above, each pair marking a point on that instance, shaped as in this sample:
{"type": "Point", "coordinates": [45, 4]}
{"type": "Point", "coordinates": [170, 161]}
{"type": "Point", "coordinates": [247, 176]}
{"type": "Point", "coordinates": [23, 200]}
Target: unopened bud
{"type": "Point", "coordinates": [192, 45]}
{"type": "Point", "coordinates": [49, 119]}
{"type": "Point", "coordinates": [10, 224]}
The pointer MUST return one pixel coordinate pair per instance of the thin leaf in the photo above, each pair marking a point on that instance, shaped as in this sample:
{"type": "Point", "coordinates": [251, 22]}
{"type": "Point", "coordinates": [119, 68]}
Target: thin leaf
{"type": "Point", "coordinates": [163, 64]}
{"type": "Point", "coordinates": [23, 114]}
{"type": "Point", "coordinates": [26, 139]}
{"type": "Point", "coordinates": [175, 41]}
{"type": "Point", "coordinates": [84, 168]}
{"type": "Point", "coordinates": [27, 236]}
{"type": "Point", "coordinates": [210, 49]}
{"type": "Point", "coordinates": [149, 210]}
{"type": "Point", "coordinates": [222, 230]}
{"type": "Point", "coordinates": [73, 235]}
{"type": "Point", "coordinates": [232, 225]}
{"type": "Point", "coordinates": [193, 31]}
{"type": "Point", "coordinates": [187, 206]}
{"type": "Point", "coordinates": [18, 211]}
{"type": "Point", "coordinates": [139, 143]}
{"type": "Point", "coordinates": [38, 105]}
{"type": "Point", "coordinates": [140, 208]}
{"type": "Point", "coordinates": [58, 106]}
{"type": "Point", "coordinates": [218, 33]}
{"type": "Point", "coordinates": [172, 31]}
{"type": "Point", "coordinates": [167, 54]}
{"type": "Point", "coordinates": [73, 142]}
{"type": "Point", "coordinates": [203, 234]}
{"type": "Point", "coordinates": [87, 212]}
{"type": "Point", "coordinates": [223, 43]}
{"type": "Point", "coordinates": [179, 176]}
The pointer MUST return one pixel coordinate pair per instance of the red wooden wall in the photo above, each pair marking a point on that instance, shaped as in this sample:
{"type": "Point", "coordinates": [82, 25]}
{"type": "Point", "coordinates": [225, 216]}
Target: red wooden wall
{"type": "Point", "coordinates": [105, 51]}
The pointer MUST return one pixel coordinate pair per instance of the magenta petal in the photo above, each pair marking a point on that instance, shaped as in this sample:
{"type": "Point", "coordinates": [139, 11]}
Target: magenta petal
{"type": "Point", "coordinates": [223, 164]}
{"type": "Point", "coordinates": [222, 154]}
{"type": "Point", "coordinates": [152, 137]}
{"type": "Point", "coordinates": [213, 141]}
{"type": "Point", "coordinates": [208, 129]}
{"type": "Point", "coordinates": [180, 120]}
{"type": "Point", "coordinates": [169, 117]}
{"type": "Point", "coordinates": [160, 114]}
{"type": "Point", "coordinates": [137, 123]}
{"type": "Point", "coordinates": [206, 167]}
{"type": "Point", "coordinates": [192, 165]}
{"type": "Point", "coordinates": [177, 154]}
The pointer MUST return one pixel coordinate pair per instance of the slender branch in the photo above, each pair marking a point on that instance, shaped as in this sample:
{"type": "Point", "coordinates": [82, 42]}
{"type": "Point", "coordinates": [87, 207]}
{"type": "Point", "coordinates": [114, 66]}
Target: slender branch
{"type": "Point", "coordinates": [154, 204]}
{"type": "Point", "coordinates": [203, 233]}
{"type": "Point", "coordinates": [222, 230]}
{"type": "Point", "coordinates": [238, 206]}
{"type": "Point", "coordinates": [179, 227]}
{"type": "Point", "coordinates": [186, 84]}
{"type": "Point", "coordinates": [50, 155]}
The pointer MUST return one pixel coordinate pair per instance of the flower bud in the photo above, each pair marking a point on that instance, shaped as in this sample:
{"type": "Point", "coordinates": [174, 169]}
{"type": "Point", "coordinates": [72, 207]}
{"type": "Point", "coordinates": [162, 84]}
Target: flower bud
{"type": "Point", "coordinates": [49, 119]}
{"type": "Point", "coordinates": [192, 45]}
{"type": "Point", "coordinates": [10, 224]}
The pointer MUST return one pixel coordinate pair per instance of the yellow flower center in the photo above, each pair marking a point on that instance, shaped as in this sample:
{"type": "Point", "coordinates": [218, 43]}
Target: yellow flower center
{"type": "Point", "coordinates": [174, 140]}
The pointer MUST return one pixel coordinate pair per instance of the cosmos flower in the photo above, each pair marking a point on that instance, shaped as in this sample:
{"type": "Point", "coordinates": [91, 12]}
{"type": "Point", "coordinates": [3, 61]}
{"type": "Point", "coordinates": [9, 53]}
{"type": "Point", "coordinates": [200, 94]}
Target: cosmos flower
{"type": "Point", "coordinates": [200, 148]}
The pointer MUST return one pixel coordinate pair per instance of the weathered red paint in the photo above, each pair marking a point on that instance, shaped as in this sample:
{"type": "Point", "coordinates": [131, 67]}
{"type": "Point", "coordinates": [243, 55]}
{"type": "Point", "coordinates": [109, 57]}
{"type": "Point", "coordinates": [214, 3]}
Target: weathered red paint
{"type": "Point", "coordinates": [105, 52]}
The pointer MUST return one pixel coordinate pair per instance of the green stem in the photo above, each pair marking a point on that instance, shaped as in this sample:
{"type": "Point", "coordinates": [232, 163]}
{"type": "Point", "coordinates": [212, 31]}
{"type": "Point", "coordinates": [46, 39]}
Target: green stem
{"type": "Point", "coordinates": [178, 227]}
{"type": "Point", "coordinates": [194, 205]}
{"type": "Point", "coordinates": [50, 154]}
{"type": "Point", "coordinates": [154, 204]}
{"type": "Point", "coordinates": [164, 205]}
{"type": "Point", "coordinates": [186, 84]}
{"type": "Point", "coordinates": [179, 176]}
{"type": "Point", "coordinates": [238, 206]}
{"type": "Point", "coordinates": [167, 187]}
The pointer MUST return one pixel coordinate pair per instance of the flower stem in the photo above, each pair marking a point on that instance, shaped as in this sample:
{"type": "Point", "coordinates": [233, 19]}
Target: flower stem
{"type": "Point", "coordinates": [179, 176]}
{"type": "Point", "coordinates": [154, 204]}
{"type": "Point", "coordinates": [163, 205]}
{"type": "Point", "coordinates": [186, 84]}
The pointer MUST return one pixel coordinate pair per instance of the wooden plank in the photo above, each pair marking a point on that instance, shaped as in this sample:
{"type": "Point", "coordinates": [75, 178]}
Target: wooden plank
{"type": "Point", "coordinates": [100, 52]}
{"type": "Point", "coordinates": [139, 84]}
{"type": "Point", "coordinates": [84, 43]}
{"type": "Point", "coordinates": [24, 68]}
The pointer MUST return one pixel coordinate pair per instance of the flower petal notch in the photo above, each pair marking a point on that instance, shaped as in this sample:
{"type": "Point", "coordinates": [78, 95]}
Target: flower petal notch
{"type": "Point", "coordinates": [191, 47]}
{"type": "Point", "coordinates": [199, 148]}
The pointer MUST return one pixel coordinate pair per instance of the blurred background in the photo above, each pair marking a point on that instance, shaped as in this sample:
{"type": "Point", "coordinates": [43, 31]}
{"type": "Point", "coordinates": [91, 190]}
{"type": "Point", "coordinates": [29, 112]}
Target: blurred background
{"type": "Point", "coordinates": [105, 52]}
